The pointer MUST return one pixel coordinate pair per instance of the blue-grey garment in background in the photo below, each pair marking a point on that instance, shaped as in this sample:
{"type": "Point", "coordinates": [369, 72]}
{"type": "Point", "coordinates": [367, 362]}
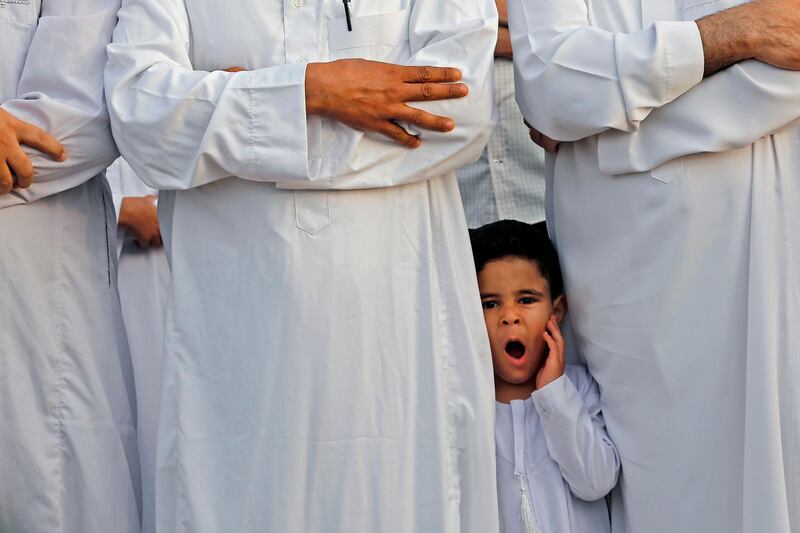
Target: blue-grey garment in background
{"type": "Point", "coordinates": [507, 182]}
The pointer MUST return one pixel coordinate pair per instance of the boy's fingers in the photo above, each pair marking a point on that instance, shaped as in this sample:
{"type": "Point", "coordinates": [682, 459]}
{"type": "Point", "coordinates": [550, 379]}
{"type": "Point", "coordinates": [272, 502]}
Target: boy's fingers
{"type": "Point", "coordinates": [550, 343]}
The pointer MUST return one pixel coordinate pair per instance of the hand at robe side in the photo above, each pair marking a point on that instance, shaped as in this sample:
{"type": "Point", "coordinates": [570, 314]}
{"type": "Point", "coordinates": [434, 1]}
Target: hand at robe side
{"type": "Point", "coordinates": [139, 216]}
{"type": "Point", "coordinates": [553, 367]}
{"type": "Point", "coordinates": [549, 145]}
{"type": "Point", "coordinates": [371, 96]}
{"type": "Point", "coordinates": [766, 30]}
{"type": "Point", "coordinates": [14, 162]}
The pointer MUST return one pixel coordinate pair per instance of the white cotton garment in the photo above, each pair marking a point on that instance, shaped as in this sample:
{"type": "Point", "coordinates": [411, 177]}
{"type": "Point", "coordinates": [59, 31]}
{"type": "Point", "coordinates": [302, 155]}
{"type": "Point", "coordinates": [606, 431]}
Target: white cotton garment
{"type": "Point", "coordinates": [555, 444]}
{"type": "Point", "coordinates": [143, 290]}
{"type": "Point", "coordinates": [326, 368]}
{"type": "Point", "coordinates": [676, 213]}
{"type": "Point", "coordinates": [68, 457]}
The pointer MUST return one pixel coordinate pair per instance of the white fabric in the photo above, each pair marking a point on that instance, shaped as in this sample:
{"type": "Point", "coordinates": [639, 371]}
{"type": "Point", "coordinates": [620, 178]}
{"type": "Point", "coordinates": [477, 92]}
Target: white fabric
{"type": "Point", "coordinates": [557, 443]}
{"type": "Point", "coordinates": [143, 289]}
{"type": "Point", "coordinates": [326, 367]}
{"type": "Point", "coordinates": [68, 459]}
{"type": "Point", "coordinates": [682, 276]}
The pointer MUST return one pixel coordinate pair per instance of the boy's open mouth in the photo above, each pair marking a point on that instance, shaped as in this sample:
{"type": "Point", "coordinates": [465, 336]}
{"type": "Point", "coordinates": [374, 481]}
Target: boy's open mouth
{"type": "Point", "coordinates": [515, 349]}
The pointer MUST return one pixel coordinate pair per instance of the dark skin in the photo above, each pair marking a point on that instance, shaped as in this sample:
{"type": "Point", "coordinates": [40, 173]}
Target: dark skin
{"type": "Point", "coordinates": [503, 47]}
{"type": "Point", "coordinates": [16, 169]}
{"type": "Point", "coordinates": [372, 96]}
{"type": "Point", "coordinates": [139, 217]}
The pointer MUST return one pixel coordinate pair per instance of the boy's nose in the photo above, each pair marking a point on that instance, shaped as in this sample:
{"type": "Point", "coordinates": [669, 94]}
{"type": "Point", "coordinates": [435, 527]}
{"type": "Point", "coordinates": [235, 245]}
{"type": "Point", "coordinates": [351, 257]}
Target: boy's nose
{"type": "Point", "coordinates": [507, 321]}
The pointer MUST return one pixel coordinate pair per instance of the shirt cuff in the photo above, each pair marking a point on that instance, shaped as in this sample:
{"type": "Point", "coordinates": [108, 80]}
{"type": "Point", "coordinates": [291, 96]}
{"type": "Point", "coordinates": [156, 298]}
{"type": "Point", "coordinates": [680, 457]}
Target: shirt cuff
{"type": "Point", "coordinates": [685, 58]}
{"type": "Point", "coordinates": [554, 395]}
{"type": "Point", "coordinates": [279, 131]}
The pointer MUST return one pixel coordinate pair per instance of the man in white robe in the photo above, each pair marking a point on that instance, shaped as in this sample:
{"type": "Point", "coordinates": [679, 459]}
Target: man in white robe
{"type": "Point", "coordinates": [675, 207]}
{"type": "Point", "coordinates": [326, 367]}
{"type": "Point", "coordinates": [68, 459]}
{"type": "Point", "coordinates": [143, 287]}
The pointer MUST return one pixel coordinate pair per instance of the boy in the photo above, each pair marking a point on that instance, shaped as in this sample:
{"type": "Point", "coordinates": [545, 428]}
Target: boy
{"type": "Point", "coordinates": [555, 461]}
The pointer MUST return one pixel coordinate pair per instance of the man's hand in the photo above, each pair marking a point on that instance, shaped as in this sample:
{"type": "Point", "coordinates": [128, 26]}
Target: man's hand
{"type": "Point", "coordinates": [139, 216]}
{"type": "Point", "coordinates": [371, 96]}
{"type": "Point", "coordinates": [549, 145]}
{"type": "Point", "coordinates": [553, 367]}
{"type": "Point", "coordinates": [766, 30]}
{"type": "Point", "coordinates": [16, 168]}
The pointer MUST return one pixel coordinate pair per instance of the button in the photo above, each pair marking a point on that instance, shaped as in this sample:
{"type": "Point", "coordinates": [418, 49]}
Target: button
{"type": "Point", "coordinates": [297, 3]}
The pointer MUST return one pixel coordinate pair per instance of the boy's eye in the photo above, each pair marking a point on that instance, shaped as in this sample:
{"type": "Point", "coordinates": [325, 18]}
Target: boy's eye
{"type": "Point", "coordinates": [527, 300]}
{"type": "Point", "coordinates": [488, 304]}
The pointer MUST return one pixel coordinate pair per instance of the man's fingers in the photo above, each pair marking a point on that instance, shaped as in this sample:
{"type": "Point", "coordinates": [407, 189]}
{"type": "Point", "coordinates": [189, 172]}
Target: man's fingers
{"type": "Point", "coordinates": [6, 178]}
{"type": "Point", "coordinates": [423, 92]}
{"type": "Point", "coordinates": [41, 140]}
{"type": "Point", "coordinates": [22, 168]}
{"type": "Point", "coordinates": [423, 119]}
{"type": "Point", "coordinates": [395, 132]}
{"type": "Point", "coordinates": [430, 74]}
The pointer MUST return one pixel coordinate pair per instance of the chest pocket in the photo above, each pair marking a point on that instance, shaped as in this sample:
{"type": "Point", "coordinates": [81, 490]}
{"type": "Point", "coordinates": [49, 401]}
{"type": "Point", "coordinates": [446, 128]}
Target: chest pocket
{"type": "Point", "coordinates": [697, 9]}
{"type": "Point", "coordinates": [17, 19]}
{"type": "Point", "coordinates": [382, 37]}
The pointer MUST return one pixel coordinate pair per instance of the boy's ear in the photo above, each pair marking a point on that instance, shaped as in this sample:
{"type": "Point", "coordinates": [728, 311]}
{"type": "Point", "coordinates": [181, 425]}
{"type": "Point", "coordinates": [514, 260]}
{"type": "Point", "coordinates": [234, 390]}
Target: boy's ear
{"type": "Point", "coordinates": [560, 308]}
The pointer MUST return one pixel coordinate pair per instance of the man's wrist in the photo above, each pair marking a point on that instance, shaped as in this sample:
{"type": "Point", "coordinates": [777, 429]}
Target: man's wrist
{"type": "Point", "coordinates": [314, 99]}
{"type": "Point", "coordinates": [730, 36]}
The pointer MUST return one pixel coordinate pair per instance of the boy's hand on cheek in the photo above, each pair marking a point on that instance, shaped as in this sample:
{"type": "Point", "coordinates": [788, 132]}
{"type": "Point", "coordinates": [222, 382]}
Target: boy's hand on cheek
{"type": "Point", "coordinates": [553, 367]}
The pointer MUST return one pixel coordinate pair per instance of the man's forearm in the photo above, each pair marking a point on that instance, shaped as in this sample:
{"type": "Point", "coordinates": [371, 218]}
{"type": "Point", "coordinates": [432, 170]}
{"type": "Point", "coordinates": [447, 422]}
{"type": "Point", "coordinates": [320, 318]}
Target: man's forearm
{"type": "Point", "coordinates": [766, 30]}
{"type": "Point", "coordinates": [728, 37]}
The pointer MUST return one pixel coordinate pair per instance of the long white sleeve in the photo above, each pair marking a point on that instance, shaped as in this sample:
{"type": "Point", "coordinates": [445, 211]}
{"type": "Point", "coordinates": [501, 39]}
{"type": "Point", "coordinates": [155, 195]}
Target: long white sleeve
{"type": "Point", "coordinates": [181, 128]}
{"type": "Point", "coordinates": [61, 91]}
{"type": "Point", "coordinates": [574, 80]}
{"type": "Point", "coordinates": [732, 109]}
{"type": "Point", "coordinates": [454, 33]}
{"type": "Point", "coordinates": [576, 435]}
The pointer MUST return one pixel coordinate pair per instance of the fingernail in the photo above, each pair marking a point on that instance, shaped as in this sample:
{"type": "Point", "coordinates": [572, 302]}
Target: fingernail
{"type": "Point", "coordinates": [449, 124]}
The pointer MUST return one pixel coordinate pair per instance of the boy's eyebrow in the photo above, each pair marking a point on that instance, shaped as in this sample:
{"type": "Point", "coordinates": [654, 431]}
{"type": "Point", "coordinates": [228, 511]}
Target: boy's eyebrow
{"type": "Point", "coordinates": [532, 292]}
{"type": "Point", "coordinates": [488, 295]}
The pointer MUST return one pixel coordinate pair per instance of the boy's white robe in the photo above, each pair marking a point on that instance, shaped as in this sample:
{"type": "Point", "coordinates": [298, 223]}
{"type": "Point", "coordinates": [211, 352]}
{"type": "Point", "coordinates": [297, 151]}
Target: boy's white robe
{"type": "Point", "coordinates": [676, 214]}
{"type": "Point", "coordinates": [68, 459]}
{"type": "Point", "coordinates": [555, 443]}
{"type": "Point", "coordinates": [326, 367]}
{"type": "Point", "coordinates": [143, 289]}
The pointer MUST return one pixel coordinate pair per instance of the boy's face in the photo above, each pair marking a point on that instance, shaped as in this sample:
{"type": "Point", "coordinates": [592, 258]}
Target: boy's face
{"type": "Point", "coordinates": [516, 306]}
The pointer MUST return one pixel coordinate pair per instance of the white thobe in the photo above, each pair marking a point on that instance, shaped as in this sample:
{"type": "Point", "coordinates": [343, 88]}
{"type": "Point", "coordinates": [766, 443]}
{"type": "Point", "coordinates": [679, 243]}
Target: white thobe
{"type": "Point", "coordinates": [326, 367]}
{"type": "Point", "coordinates": [143, 288]}
{"type": "Point", "coordinates": [68, 460]}
{"type": "Point", "coordinates": [554, 446]}
{"type": "Point", "coordinates": [676, 215]}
